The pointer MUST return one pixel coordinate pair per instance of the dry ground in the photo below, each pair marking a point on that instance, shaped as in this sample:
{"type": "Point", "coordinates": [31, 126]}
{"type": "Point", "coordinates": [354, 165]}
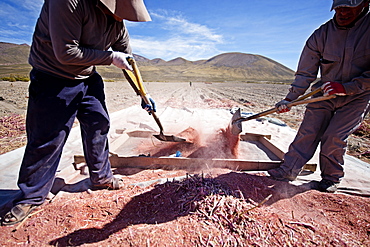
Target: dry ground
{"type": "Point", "coordinates": [251, 97]}
{"type": "Point", "coordinates": [215, 208]}
{"type": "Point", "coordinates": [223, 208]}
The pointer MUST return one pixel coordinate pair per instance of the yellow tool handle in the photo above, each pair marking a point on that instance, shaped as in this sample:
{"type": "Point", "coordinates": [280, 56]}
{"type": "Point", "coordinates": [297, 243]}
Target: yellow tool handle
{"type": "Point", "coordinates": [132, 80]}
{"type": "Point", "coordinates": [141, 91]}
{"type": "Point", "coordinates": [138, 76]}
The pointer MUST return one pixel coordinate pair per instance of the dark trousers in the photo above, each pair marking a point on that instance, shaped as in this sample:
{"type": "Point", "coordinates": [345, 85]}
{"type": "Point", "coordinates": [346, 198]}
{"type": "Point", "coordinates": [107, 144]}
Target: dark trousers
{"type": "Point", "coordinates": [53, 105]}
{"type": "Point", "coordinates": [328, 123]}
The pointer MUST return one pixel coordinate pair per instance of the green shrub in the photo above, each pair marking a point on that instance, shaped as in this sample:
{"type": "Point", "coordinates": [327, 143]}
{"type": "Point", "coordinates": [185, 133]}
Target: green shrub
{"type": "Point", "coordinates": [13, 78]}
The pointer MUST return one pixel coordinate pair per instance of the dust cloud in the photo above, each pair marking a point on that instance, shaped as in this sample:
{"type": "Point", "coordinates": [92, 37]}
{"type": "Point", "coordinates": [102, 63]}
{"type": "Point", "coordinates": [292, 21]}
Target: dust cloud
{"type": "Point", "coordinates": [219, 145]}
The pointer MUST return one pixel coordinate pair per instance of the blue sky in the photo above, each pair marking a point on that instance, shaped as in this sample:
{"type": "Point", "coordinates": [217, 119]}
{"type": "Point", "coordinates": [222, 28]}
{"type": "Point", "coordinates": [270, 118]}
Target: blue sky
{"type": "Point", "coordinates": [200, 29]}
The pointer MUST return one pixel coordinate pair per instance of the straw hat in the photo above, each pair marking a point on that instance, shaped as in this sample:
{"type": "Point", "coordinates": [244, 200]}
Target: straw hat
{"type": "Point", "coordinates": [131, 10]}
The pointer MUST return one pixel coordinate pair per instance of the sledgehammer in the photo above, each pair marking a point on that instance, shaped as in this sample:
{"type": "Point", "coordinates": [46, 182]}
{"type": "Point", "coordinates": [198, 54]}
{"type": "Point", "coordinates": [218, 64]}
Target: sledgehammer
{"type": "Point", "coordinates": [237, 119]}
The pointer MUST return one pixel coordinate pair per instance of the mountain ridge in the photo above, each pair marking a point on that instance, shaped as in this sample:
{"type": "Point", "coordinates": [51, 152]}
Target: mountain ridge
{"type": "Point", "coordinates": [230, 66]}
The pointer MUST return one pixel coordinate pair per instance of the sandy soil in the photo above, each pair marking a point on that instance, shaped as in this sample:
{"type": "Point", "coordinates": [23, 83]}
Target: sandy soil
{"type": "Point", "coordinates": [250, 97]}
{"type": "Point", "coordinates": [214, 208]}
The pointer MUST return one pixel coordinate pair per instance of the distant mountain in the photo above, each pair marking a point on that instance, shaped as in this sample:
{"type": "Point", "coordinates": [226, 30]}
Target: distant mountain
{"type": "Point", "coordinates": [13, 54]}
{"type": "Point", "coordinates": [179, 61]}
{"type": "Point", "coordinates": [158, 61]}
{"type": "Point", "coordinates": [234, 59]}
{"type": "Point", "coordinates": [233, 66]}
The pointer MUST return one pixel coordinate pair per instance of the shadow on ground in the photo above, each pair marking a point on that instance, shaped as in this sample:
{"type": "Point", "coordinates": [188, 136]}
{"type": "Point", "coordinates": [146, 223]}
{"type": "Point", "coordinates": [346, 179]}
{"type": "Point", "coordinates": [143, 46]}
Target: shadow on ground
{"type": "Point", "coordinates": [165, 202]}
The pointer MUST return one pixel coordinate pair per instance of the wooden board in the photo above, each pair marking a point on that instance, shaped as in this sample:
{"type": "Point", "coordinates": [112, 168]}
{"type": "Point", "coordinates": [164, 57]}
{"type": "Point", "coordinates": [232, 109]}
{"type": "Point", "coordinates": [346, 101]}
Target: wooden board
{"type": "Point", "coordinates": [177, 163]}
{"type": "Point", "coordinates": [180, 163]}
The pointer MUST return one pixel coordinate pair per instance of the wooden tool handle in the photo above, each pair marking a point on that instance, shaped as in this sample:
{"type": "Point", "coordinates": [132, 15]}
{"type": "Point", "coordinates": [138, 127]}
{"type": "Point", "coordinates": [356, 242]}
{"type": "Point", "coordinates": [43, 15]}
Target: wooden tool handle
{"type": "Point", "coordinates": [157, 121]}
{"type": "Point", "coordinates": [306, 101]}
{"type": "Point", "coordinates": [317, 90]}
{"type": "Point", "coordinates": [294, 103]}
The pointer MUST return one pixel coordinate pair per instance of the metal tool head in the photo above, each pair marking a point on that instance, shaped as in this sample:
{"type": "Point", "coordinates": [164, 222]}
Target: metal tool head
{"type": "Point", "coordinates": [235, 125]}
{"type": "Point", "coordinates": [169, 138]}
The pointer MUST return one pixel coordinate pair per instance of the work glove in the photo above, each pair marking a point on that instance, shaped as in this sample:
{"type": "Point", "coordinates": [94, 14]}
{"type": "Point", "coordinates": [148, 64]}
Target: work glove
{"type": "Point", "coordinates": [331, 87]}
{"type": "Point", "coordinates": [148, 107]}
{"type": "Point", "coordinates": [281, 106]}
{"type": "Point", "coordinates": [120, 60]}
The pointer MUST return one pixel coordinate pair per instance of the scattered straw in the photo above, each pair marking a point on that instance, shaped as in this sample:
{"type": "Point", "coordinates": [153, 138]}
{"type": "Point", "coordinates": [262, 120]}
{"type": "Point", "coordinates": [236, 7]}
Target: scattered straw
{"type": "Point", "coordinates": [237, 219]}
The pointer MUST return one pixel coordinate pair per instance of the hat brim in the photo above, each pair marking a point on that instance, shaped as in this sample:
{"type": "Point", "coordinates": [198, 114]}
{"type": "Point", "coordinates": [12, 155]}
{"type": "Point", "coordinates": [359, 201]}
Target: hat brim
{"type": "Point", "coordinates": [131, 10]}
{"type": "Point", "coordinates": [337, 4]}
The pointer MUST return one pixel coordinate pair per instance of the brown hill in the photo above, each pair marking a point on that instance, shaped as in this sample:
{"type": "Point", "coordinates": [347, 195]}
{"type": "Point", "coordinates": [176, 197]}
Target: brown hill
{"type": "Point", "coordinates": [233, 60]}
{"type": "Point", "coordinates": [13, 54]}
{"type": "Point", "coordinates": [250, 63]}
{"type": "Point", "coordinates": [179, 61]}
{"type": "Point", "coordinates": [225, 67]}
{"type": "Point", "coordinates": [234, 66]}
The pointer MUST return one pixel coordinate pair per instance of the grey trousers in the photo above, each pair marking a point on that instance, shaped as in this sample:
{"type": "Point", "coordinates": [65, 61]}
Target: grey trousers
{"type": "Point", "coordinates": [328, 123]}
